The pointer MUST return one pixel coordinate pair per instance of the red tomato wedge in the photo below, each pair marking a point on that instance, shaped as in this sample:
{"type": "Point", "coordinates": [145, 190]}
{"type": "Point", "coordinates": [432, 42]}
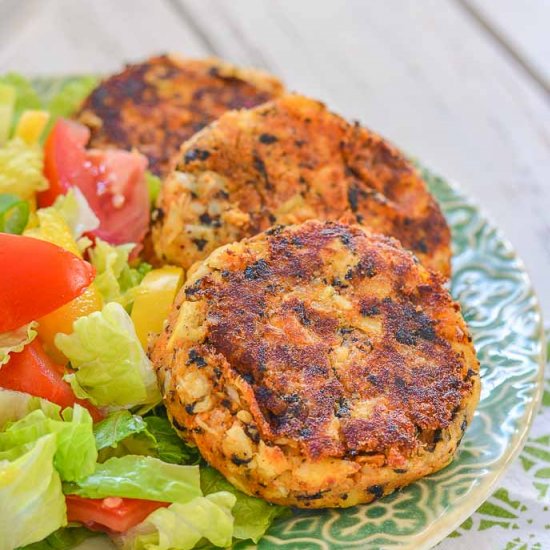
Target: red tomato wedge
{"type": "Point", "coordinates": [64, 160]}
{"type": "Point", "coordinates": [113, 182]}
{"type": "Point", "coordinates": [36, 278]}
{"type": "Point", "coordinates": [32, 371]}
{"type": "Point", "coordinates": [112, 514]}
{"type": "Point", "coordinates": [119, 196]}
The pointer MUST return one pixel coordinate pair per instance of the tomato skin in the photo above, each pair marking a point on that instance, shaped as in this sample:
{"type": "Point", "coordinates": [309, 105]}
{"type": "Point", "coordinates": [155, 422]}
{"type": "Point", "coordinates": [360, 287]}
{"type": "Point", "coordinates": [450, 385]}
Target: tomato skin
{"type": "Point", "coordinates": [64, 159]}
{"type": "Point", "coordinates": [113, 182]}
{"type": "Point", "coordinates": [32, 371]}
{"type": "Point", "coordinates": [36, 278]}
{"type": "Point", "coordinates": [112, 514]}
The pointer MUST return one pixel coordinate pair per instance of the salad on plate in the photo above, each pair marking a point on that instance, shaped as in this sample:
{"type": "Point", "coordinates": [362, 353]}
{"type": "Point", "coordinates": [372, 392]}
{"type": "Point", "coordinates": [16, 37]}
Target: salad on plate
{"type": "Point", "coordinates": [86, 447]}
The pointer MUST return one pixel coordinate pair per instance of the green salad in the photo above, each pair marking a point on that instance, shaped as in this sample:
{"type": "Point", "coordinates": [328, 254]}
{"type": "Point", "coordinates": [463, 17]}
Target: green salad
{"type": "Point", "coordinates": [86, 447]}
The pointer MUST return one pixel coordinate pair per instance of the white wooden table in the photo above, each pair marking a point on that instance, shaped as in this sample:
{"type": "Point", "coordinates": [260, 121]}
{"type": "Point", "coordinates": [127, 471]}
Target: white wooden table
{"type": "Point", "coordinates": [461, 84]}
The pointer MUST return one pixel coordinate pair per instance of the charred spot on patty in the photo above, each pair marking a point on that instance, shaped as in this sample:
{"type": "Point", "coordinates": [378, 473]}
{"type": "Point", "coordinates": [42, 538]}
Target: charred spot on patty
{"type": "Point", "coordinates": [195, 359]}
{"type": "Point", "coordinates": [267, 139]}
{"type": "Point", "coordinates": [195, 154]}
{"type": "Point", "coordinates": [155, 105]}
{"type": "Point", "coordinates": [376, 490]}
{"type": "Point", "coordinates": [258, 270]}
{"type": "Point", "coordinates": [200, 243]}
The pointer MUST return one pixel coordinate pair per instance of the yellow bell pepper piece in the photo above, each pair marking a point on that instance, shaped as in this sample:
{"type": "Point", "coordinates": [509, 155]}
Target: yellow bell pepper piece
{"type": "Point", "coordinates": [62, 319]}
{"type": "Point", "coordinates": [53, 228]}
{"type": "Point", "coordinates": [31, 125]}
{"type": "Point", "coordinates": [155, 296]}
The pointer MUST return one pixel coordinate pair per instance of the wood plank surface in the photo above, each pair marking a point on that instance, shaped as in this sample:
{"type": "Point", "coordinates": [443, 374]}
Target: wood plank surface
{"type": "Point", "coordinates": [523, 28]}
{"type": "Point", "coordinates": [425, 74]}
{"type": "Point", "coordinates": [88, 36]}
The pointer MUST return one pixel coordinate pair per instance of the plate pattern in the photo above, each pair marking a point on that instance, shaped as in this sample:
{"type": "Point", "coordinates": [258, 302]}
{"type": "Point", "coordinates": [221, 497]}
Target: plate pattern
{"type": "Point", "coordinates": [502, 311]}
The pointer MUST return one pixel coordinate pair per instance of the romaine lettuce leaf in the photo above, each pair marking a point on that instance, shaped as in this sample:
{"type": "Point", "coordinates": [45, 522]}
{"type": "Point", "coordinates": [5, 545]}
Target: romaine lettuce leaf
{"type": "Point", "coordinates": [26, 97]}
{"type": "Point", "coordinates": [115, 279]}
{"type": "Point", "coordinates": [141, 477]}
{"type": "Point", "coordinates": [14, 214]}
{"type": "Point", "coordinates": [14, 405]}
{"type": "Point", "coordinates": [75, 454]}
{"type": "Point", "coordinates": [62, 539]}
{"type": "Point", "coordinates": [122, 433]}
{"type": "Point", "coordinates": [154, 184]}
{"type": "Point", "coordinates": [182, 526]}
{"type": "Point", "coordinates": [169, 447]}
{"type": "Point", "coordinates": [63, 103]}
{"type": "Point", "coordinates": [69, 98]}
{"type": "Point", "coordinates": [31, 502]}
{"type": "Point", "coordinates": [76, 212]}
{"type": "Point", "coordinates": [111, 368]}
{"type": "Point", "coordinates": [7, 106]}
{"type": "Point", "coordinates": [253, 516]}
{"type": "Point", "coordinates": [15, 340]}
{"type": "Point", "coordinates": [21, 169]}
{"type": "Point", "coordinates": [118, 426]}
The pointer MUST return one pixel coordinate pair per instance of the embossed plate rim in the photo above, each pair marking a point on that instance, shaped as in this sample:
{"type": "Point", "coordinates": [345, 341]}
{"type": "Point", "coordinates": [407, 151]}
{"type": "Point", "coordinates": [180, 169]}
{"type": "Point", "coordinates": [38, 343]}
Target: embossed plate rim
{"type": "Point", "coordinates": [455, 518]}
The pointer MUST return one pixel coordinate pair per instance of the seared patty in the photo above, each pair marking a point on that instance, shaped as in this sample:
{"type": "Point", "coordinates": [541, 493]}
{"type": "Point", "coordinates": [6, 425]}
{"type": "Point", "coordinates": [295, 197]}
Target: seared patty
{"type": "Point", "coordinates": [318, 365]}
{"type": "Point", "coordinates": [156, 105]}
{"type": "Point", "coordinates": [288, 161]}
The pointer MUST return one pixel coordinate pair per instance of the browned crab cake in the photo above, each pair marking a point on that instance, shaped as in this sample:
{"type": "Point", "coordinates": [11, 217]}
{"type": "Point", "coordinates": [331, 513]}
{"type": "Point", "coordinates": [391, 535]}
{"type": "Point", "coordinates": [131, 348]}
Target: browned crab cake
{"type": "Point", "coordinates": [156, 105]}
{"type": "Point", "coordinates": [318, 365]}
{"type": "Point", "coordinates": [285, 162]}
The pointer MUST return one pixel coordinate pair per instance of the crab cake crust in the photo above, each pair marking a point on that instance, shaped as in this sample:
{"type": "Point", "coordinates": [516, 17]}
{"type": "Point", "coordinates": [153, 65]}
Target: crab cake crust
{"type": "Point", "coordinates": [156, 105]}
{"type": "Point", "coordinates": [285, 162]}
{"type": "Point", "coordinates": [318, 365]}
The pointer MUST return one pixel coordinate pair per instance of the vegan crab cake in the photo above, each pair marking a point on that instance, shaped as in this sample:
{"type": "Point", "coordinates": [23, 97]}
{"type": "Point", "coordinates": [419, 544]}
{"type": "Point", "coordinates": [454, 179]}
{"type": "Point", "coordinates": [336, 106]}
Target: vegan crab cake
{"type": "Point", "coordinates": [285, 162]}
{"type": "Point", "coordinates": [156, 105]}
{"type": "Point", "coordinates": [318, 365]}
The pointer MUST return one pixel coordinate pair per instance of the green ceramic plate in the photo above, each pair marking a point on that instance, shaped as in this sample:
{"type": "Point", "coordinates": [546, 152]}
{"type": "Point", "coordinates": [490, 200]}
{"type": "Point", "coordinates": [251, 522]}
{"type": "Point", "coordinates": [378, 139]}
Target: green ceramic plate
{"type": "Point", "coordinates": [502, 310]}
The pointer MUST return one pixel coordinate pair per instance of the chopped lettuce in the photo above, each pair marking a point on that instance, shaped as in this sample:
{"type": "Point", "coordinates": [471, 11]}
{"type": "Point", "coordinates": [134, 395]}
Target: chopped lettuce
{"type": "Point", "coordinates": [15, 340]}
{"type": "Point", "coordinates": [168, 445]}
{"type": "Point", "coordinates": [141, 477]}
{"type": "Point", "coordinates": [111, 368]}
{"type": "Point", "coordinates": [116, 428]}
{"type": "Point", "coordinates": [76, 212]}
{"type": "Point", "coordinates": [7, 104]}
{"type": "Point", "coordinates": [61, 102]}
{"type": "Point", "coordinates": [69, 98]}
{"type": "Point", "coordinates": [63, 539]}
{"type": "Point", "coordinates": [115, 279]}
{"type": "Point", "coordinates": [14, 214]}
{"type": "Point", "coordinates": [65, 222]}
{"type": "Point", "coordinates": [26, 97]}
{"type": "Point", "coordinates": [253, 516]}
{"type": "Point", "coordinates": [154, 184]}
{"type": "Point", "coordinates": [75, 454]}
{"type": "Point", "coordinates": [14, 405]}
{"type": "Point", "coordinates": [21, 169]}
{"type": "Point", "coordinates": [122, 433]}
{"type": "Point", "coordinates": [31, 502]}
{"type": "Point", "coordinates": [182, 526]}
